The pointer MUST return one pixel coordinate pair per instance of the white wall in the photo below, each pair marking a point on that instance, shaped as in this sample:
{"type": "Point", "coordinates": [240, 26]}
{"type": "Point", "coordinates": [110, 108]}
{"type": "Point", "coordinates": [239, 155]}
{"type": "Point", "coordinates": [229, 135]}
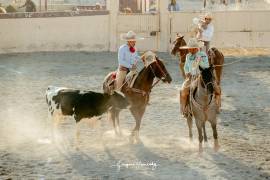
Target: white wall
{"type": "Point", "coordinates": [84, 33]}
{"type": "Point", "coordinates": [248, 29]}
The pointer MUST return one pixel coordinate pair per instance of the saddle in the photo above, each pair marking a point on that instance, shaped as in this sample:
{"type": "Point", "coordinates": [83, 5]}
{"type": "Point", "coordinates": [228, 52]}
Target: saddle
{"type": "Point", "coordinates": [129, 80]}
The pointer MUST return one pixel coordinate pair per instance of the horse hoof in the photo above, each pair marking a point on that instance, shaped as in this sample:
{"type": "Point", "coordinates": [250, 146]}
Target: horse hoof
{"type": "Point", "coordinates": [200, 149]}
{"type": "Point", "coordinates": [131, 140]}
{"type": "Point", "coordinates": [216, 148]}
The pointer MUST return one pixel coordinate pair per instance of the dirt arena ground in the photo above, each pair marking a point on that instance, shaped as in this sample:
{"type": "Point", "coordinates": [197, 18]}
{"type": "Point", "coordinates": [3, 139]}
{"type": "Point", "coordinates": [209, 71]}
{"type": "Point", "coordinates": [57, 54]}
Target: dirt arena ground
{"type": "Point", "coordinates": [27, 150]}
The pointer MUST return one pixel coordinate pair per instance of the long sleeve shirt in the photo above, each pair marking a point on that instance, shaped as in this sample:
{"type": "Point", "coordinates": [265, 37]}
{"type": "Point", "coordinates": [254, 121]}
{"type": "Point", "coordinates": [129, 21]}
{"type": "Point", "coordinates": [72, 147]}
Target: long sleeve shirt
{"type": "Point", "coordinates": [208, 33]}
{"type": "Point", "coordinates": [194, 61]}
{"type": "Point", "coordinates": [126, 58]}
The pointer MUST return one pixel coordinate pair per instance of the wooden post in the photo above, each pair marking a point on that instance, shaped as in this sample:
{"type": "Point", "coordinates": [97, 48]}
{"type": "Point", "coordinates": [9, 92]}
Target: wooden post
{"type": "Point", "coordinates": [113, 7]}
{"type": "Point", "coordinates": [164, 26]}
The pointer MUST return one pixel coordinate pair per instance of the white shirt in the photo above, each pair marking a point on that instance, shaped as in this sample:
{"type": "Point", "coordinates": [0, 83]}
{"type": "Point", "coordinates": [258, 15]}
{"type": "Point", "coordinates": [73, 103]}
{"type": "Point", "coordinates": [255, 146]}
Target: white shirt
{"type": "Point", "coordinates": [208, 33]}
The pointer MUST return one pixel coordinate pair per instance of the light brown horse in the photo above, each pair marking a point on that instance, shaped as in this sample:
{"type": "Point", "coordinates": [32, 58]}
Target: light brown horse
{"type": "Point", "coordinates": [202, 106]}
{"type": "Point", "coordinates": [215, 57]}
{"type": "Point", "coordinates": [138, 94]}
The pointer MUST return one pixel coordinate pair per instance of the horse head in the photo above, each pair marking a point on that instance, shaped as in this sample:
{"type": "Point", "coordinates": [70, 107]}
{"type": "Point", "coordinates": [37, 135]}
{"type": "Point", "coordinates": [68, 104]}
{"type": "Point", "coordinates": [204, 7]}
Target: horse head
{"type": "Point", "coordinates": [208, 78]}
{"type": "Point", "coordinates": [156, 65]}
{"type": "Point", "coordinates": [177, 43]}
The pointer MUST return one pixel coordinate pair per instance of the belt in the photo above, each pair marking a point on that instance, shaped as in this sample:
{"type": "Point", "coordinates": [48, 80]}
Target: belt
{"type": "Point", "coordinates": [122, 68]}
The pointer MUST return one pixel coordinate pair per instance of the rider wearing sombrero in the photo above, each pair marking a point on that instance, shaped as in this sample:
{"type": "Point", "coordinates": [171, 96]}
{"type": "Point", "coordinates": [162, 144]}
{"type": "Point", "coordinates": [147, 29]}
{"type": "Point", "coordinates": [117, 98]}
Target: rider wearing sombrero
{"type": "Point", "coordinates": [127, 58]}
{"type": "Point", "coordinates": [194, 59]}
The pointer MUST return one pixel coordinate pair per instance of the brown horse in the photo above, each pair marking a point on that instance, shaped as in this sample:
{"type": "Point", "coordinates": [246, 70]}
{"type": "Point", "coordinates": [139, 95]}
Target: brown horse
{"type": "Point", "coordinates": [215, 57]}
{"type": "Point", "coordinates": [138, 94]}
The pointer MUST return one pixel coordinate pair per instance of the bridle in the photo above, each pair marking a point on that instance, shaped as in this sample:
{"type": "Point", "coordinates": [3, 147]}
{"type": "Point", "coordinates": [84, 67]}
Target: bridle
{"type": "Point", "coordinates": [164, 75]}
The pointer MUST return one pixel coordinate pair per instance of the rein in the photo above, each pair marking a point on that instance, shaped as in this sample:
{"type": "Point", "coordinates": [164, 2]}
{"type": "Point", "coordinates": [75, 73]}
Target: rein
{"type": "Point", "coordinates": [227, 63]}
{"type": "Point", "coordinates": [199, 106]}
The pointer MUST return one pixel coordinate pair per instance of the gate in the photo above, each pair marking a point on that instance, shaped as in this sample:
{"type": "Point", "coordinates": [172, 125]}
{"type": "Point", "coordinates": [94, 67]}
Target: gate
{"type": "Point", "coordinates": [145, 25]}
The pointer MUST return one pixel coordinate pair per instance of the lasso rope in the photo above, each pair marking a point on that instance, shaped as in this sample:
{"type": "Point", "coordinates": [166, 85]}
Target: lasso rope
{"type": "Point", "coordinates": [227, 63]}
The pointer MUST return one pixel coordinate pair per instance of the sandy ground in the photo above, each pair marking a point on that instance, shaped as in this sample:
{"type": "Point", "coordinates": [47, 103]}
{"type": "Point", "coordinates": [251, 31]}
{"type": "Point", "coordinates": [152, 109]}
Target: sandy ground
{"type": "Point", "coordinates": [27, 150]}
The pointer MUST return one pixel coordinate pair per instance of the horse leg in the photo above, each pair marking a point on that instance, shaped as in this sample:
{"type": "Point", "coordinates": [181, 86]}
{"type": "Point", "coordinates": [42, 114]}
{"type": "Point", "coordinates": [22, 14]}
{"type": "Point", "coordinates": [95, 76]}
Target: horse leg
{"type": "Point", "coordinates": [218, 72]}
{"type": "Point", "coordinates": [215, 135]}
{"type": "Point", "coordinates": [181, 66]}
{"type": "Point", "coordinates": [189, 122]}
{"type": "Point", "coordinates": [204, 132]}
{"type": "Point", "coordinates": [199, 127]}
{"type": "Point", "coordinates": [137, 114]}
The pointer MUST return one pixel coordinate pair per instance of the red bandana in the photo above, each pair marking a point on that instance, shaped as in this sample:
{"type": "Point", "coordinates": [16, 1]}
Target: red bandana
{"type": "Point", "coordinates": [132, 49]}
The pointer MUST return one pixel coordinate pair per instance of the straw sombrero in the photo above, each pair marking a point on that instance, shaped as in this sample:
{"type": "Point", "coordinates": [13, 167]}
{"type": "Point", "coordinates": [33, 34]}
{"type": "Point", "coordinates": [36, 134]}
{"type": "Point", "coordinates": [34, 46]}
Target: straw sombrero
{"type": "Point", "coordinates": [192, 43]}
{"type": "Point", "coordinates": [208, 15]}
{"type": "Point", "coordinates": [130, 36]}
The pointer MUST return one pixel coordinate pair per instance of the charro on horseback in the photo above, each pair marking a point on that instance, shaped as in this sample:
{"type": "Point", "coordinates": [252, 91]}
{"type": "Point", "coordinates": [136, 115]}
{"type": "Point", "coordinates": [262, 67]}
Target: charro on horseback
{"type": "Point", "coordinates": [194, 59]}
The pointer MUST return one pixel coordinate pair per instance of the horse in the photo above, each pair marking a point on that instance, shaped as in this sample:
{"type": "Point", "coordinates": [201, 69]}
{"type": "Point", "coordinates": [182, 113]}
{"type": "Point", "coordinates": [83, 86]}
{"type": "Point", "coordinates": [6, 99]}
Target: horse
{"type": "Point", "coordinates": [215, 57]}
{"type": "Point", "coordinates": [138, 95]}
{"type": "Point", "coordinates": [202, 106]}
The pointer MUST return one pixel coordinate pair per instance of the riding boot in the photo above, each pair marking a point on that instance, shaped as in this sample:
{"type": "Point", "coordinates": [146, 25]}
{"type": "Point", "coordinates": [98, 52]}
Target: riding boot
{"type": "Point", "coordinates": [183, 104]}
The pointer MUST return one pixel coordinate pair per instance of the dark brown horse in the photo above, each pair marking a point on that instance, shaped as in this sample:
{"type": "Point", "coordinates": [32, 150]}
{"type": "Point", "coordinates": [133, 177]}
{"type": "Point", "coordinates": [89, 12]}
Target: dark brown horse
{"type": "Point", "coordinates": [215, 57]}
{"type": "Point", "coordinates": [138, 94]}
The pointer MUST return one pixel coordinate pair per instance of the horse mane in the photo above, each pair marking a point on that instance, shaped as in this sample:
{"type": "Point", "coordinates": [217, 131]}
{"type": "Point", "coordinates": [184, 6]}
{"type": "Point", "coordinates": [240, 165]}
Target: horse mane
{"type": "Point", "coordinates": [145, 69]}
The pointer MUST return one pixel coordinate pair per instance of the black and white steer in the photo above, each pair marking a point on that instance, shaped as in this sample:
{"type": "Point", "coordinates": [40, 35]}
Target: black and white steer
{"type": "Point", "coordinates": [81, 104]}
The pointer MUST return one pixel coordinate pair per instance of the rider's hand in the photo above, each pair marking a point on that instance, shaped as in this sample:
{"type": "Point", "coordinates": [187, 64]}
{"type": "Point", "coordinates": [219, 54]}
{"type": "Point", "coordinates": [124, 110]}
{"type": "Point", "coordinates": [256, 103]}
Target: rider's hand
{"type": "Point", "coordinates": [188, 75]}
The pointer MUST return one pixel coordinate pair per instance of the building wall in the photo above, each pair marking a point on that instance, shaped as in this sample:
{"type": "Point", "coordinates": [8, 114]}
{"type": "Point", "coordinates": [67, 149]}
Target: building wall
{"type": "Point", "coordinates": [101, 32]}
{"type": "Point", "coordinates": [82, 33]}
{"type": "Point", "coordinates": [247, 29]}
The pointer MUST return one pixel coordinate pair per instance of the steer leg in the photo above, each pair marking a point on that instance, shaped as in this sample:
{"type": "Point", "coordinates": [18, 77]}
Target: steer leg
{"type": "Point", "coordinates": [56, 119]}
{"type": "Point", "coordinates": [77, 141]}
{"type": "Point", "coordinates": [117, 123]}
{"type": "Point", "coordinates": [112, 117]}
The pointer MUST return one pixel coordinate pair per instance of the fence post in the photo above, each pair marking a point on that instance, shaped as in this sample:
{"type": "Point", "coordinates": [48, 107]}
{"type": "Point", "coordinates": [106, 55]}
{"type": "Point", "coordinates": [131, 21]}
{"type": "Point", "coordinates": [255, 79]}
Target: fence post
{"type": "Point", "coordinates": [164, 26]}
{"type": "Point", "coordinates": [113, 6]}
